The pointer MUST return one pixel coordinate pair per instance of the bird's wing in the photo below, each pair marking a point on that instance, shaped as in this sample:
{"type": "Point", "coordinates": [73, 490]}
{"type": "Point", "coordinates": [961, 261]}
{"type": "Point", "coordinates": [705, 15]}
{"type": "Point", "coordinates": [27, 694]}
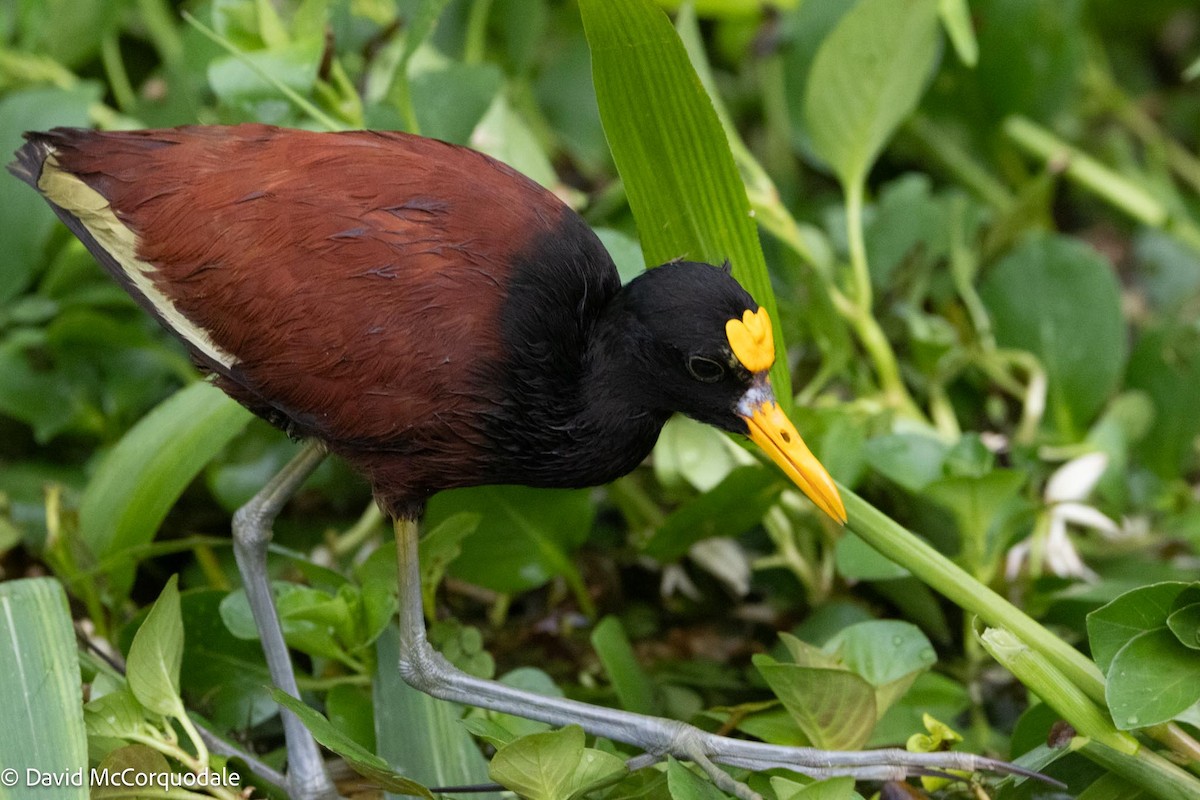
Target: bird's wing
{"type": "Point", "coordinates": [350, 282]}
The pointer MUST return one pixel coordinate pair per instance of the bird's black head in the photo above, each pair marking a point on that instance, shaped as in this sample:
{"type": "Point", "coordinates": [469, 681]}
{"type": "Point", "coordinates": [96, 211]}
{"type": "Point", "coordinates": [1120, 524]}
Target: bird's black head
{"type": "Point", "coordinates": [687, 337]}
{"type": "Point", "coordinates": [673, 322]}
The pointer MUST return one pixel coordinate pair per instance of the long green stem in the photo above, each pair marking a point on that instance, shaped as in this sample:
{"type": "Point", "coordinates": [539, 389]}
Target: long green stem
{"type": "Point", "coordinates": [860, 274]}
{"type": "Point", "coordinates": [964, 265]}
{"type": "Point", "coordinates": [118, 78]}
{"type": "Point", "coordinates": [944, 576]}
{"type": "Point", "coordinates": [369, 524]}
{"type": "Point", "coordinates": [161, 25]}
{"type": "Point", "coordinates": [1087, 171]}
{"type": "Point", "coordinates": [1114, 188]}
{"type": "Point", "coordinates": [860, 315]}
{"type": "Point", "coordinates": [1113, 99]}
{"type": "Point", "coordinates": [1076, 673]}
{"type": "Point", "coordinates": [476, 42]}
{"type": "Point", "coordinates": [958, 162]}
{"type": "Point", "coordinates": [883, 358]}
{"type": "Point", "coordinates": [1147, 770]}
{"type": "Point", "coordinates": [402, 96]}
{"type": "Point", "coordinates": [1036, 672]}
{"type": "Point", "coordinates": [303, 103]}
{"type": "Point", "coordinates": [201, 762]}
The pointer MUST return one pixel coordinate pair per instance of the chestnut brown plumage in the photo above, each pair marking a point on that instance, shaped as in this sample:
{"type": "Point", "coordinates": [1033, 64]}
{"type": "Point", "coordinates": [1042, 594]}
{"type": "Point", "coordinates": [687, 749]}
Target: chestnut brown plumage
{"type": "Point", "coordinates": [438, 320]}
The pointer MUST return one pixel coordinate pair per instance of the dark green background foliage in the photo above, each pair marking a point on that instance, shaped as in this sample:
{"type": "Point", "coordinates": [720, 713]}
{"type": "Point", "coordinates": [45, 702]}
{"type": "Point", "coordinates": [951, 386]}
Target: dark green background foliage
{"type": "Point", "coordinates": [975, 223]}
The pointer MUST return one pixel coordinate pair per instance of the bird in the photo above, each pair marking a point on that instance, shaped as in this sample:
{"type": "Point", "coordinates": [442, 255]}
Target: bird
{"type": "Point", "coordinates": [437, 320]}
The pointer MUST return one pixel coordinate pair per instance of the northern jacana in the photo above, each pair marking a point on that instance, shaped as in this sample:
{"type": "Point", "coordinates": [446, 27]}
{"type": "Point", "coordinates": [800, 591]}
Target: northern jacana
{"type": "Point", "coordinates": [437, 320]}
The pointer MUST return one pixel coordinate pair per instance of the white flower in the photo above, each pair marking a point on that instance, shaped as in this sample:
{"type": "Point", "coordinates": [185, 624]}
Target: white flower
{"type": "Point", "coordinates": [720, 557]}
{"type": "Point", "coordinates": [1064, 494]}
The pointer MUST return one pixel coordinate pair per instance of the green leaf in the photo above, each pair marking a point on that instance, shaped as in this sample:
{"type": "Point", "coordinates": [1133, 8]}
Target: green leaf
{"type": "Point", "coordinates": [634, 688]}
{"type": "Point", "coordinates": [1185, 624]}
{"type": "Point", "coordinates": [450, 100]}
{"type": "Point", "coordinates": [1166, 365]}
{"type": "Point", "coordinates": [809, 655]}
{"type": "Point", "coordinates": [907, 221]}
{"type": "Point", "coordinates": [39, 695]}
{"type": "Point", "coordinates": [462, 645]}
{"type": "Point", "coordinates": [857, 560]}
{"type": "Point", "coordinates": [141, 478]}
{"type": "Point", "coordinates": [691, 451]}
{"type": "Point", "coordinates": [931, 693]}
{"type": "Point", "coordinates": [978, 504]}
{"type": "Point", "coordinates": [223, 677]}
{"type": "Point", "coordinates": [491, 731]}
{"type": "Point", "coordinates": [687, 785]}
{"type": "Point", "coordinates": [956, 18]}
{"type": "Point", "coordinates": [156, 654]}
{"type": "Point", "coordinates": [1168, 269]}
{"type": "Point", "coordinates": [313, 621]}
{"type": "Point", "coordinates": [500, 728]}
{"type": "Point", "coordinates": [350, 711]}
{"type": "Point", "coordinates": [438, 549]}
{"type": "Point", "coordinates": [737, 504]}
{"type": "Point", "coordinates": [919, 604]}
{"type": "Point", "coordinates": [444, 754]}
{"type": "Point", "coordinates": [1152, 679]}
{"type": "Point", "coordinates": [888, 654]}
{"type": "Point", "coordinates": [69, 31]}
{"type": "Point", "coordinates": [523, 538]}
{"type": "Point", "coordinates": [867, 77]}
{"type": "Point", "coordinates": [805, 28]}
{"type": "Point", "coordinates": [1113, 625]}
{"type": "Point", "coordinates": [773, 725]}
{"type": "Point", "coordinates": [828, 789]}
{"type": "Point", "coordinates": [1193, 71]}
{"type": "Point", "coordinates": [136, 759]}
{"type": "Point", "coordinates": [596, 769]}
{"type": "Point", "coordinates": [540, 766]}
{"type": "Point", "coordinates": [240, 22]}
{"type": "Point", "coordinates": [377, 606]}
{"type": "Point", "coordinates": [672, 154]}
{"type": "Point", "coordinates": [1032, 57]}
{"type": "Point", "coordinates": [625, 251]}
{"type": "Point", "coordinates": [504, 135]}
{"type": "Point", "coordinates": [112, 720]}
{"type": "Point", "coordinates": [1110, 786]}
{"type": "Point", "coordinates": [362, 761]}
{"type": "Point", "coordinates": [834, 708]}
{"type": "Point", "coordinates": [420, 23]}
{"type": "Point", "coordinates": [116, 715]}
{"type": "Point", "coordinates": [245, 79]}
{"type": "Point", "coordinates": [43, 400]}
{"type": "Point", "coordinates": [1059, 299]}
{"type": "Point", "coordinates": [27, 220]}
{"type": "Point", "coordinates": [911, 460]}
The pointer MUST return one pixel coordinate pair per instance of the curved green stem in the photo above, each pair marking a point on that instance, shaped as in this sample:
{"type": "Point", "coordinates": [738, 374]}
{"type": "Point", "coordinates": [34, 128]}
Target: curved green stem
{"type": "Point", "coordinates": [118, 77]}
{"type": "Point", "coordinates": [1080, 167]}
{"type": "Point", "coordinates": [958, 163]}
{"type": "Point", "coordinates": [859, 310]}
{"type": "Point", "coordinates": [859, 272]}
{"type": "Point", "coordinates": [476, 31]}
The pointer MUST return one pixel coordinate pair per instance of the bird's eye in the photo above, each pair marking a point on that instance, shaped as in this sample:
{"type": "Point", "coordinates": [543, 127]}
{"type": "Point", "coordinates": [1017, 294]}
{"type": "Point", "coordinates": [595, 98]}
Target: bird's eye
{"type": "Point", "coordinates": [705, 370]}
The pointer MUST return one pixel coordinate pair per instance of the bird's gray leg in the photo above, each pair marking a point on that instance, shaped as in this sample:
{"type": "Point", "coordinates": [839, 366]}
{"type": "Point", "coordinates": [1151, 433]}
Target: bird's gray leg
{"type": "Point", "coordinates": [306, 776]}
{"type": "Point", "coordinates": [428, 671]}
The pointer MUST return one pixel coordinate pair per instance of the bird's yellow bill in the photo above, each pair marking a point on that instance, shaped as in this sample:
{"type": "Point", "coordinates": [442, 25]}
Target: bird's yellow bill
{"type": "Point", "coordinates": [771, 430]}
